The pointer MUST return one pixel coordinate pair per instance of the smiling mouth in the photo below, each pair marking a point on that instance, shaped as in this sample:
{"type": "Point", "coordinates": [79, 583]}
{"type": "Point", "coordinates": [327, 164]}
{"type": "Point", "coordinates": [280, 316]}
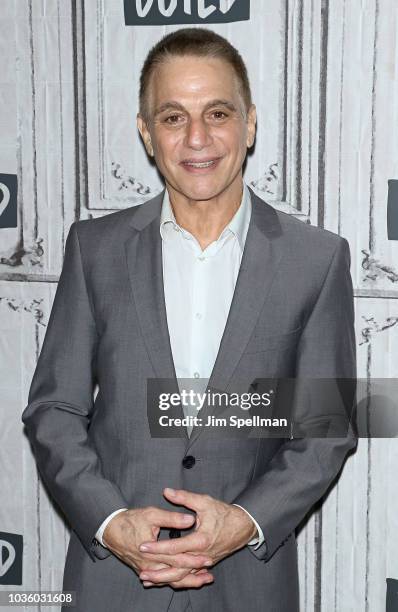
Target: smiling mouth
{"type": "Point", "coordinates": [200, 164]}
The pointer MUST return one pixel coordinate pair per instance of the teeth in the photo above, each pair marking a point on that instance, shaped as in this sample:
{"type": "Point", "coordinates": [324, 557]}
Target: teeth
{"type": "Point", "coordinates": [200, 164]}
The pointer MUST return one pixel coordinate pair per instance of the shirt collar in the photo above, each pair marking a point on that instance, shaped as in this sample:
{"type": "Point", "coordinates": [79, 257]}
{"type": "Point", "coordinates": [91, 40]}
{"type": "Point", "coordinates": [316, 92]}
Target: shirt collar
{"type": "Point", "coordinates": [238, 225]}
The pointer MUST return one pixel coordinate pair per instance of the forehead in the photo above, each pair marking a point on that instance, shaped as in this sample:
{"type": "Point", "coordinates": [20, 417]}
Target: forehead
{"type": "Point", "coordinates": [188, 77]}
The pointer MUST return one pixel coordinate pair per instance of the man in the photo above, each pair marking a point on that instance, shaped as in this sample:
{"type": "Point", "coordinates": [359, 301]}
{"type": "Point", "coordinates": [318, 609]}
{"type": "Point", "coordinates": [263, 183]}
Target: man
{"type": "Point", "coordinates": [204, 281]}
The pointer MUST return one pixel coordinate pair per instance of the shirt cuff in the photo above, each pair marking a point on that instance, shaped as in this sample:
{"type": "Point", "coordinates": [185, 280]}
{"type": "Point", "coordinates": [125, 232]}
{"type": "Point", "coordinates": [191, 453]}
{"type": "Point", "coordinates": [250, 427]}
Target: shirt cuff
{"type": "Point", "coordinates": [101, 528]}
{"type": "Point", "coordinates": [260, 539]}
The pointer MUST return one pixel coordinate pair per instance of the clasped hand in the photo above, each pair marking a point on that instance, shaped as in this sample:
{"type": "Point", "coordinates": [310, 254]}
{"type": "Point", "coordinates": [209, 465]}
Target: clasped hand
{"type": "Point", "coordinates": [220, 529]}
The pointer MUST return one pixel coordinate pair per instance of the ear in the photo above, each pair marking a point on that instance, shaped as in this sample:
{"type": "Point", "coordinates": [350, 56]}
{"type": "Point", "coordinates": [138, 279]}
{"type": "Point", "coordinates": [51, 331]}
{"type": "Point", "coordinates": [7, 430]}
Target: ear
{"type": "Point", "coordinates": [145, 135]}
{"type": "Point", "coordinates": [251, 125]}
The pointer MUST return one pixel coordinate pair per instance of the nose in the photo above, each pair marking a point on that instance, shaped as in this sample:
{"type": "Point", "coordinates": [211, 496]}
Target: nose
{"type": "Point", "coordinates": [197, 134]}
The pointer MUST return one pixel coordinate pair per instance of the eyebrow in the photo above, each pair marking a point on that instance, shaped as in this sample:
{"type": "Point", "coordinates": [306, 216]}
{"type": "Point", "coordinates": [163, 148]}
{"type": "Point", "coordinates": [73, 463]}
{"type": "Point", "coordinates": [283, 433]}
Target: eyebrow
{"type": "Point", "coordinates": [174, 105]}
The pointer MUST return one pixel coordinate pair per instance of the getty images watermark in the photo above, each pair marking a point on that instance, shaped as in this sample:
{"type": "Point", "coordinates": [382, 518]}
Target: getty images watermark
{"type": "Point", "coordinates": [266, 407]}
{"type": "Point", "coordinates": [280, 407]}
{"type": "Point", "coordinates": [192, 402]}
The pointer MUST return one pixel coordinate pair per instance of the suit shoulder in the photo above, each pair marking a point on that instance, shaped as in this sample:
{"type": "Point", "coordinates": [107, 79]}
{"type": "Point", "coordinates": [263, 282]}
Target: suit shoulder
{"type": "Point", "coordinates": [315, 247]}
{"type": "Point", "coordinates": [102, 236]}
{"type": "Point", "coordinates": [306, 231]}
{"type": "Point", "coordinates": [116, 221]}
{"type": "Point", "coordinates": [295, 228]}
{"type": "Point", "coordinates": [109, 220]}
{"type": "Point", "coordinates": [309, 240]}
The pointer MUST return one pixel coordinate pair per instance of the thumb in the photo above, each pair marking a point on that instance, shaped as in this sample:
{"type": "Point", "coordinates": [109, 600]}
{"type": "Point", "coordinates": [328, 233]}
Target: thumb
{"type": "Point", "coordinates": [191, 500]}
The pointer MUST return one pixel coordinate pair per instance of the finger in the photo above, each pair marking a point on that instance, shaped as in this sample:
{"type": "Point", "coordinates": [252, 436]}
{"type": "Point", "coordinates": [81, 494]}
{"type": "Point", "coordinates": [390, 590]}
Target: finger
{"type": "Point", "coordinates": [192, 542]}
{"type": "Point", "coordinates": [190, 581]}
{"type": "Point", "coordinates": [153, 566]}
{"type": "Point", "coordinates": [193, 581]}
{"type": "Point", "coordinates": [182, 497]}
{"type": "Point", "coordinates": [165, 518]}
{"type": "Point", "coordinates": [185, 583]}
{"type": "Point", "coordinates": [165, 575]}
{"type": "Point", "coordinates": [181, 560]}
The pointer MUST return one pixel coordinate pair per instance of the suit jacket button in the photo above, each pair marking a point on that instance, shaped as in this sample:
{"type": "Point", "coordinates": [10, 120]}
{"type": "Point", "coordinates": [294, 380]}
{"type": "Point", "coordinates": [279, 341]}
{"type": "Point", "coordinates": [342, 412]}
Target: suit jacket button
{"type": "Point", "coordinates": [95, 542]}
{"type": "Point", "coordinates": [188, 462]}
{"type": "Point", "coordinates": [174, 533]}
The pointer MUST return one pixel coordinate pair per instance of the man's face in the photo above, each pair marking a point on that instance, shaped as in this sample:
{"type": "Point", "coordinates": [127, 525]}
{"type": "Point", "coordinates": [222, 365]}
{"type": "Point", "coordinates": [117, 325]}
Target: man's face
{"type": "Point", "coordinates": [197, 130]}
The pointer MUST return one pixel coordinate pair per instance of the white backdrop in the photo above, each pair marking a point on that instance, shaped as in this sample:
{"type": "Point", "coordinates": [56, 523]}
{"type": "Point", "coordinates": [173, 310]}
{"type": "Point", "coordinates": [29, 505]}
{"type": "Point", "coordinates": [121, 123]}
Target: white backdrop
{"type": "Point", "coordinates": [324, 78]}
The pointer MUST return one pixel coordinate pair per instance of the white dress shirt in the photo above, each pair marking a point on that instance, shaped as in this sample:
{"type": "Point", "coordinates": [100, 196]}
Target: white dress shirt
{"type": "Point", "coordinates": [198, 289]}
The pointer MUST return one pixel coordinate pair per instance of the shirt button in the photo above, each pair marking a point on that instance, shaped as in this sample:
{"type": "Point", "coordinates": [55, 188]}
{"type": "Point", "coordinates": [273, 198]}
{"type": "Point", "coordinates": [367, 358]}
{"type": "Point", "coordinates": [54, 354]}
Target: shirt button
{"type": "Point", "coordinates": [201, 258]}
{"type": "Point", "coordinates": [196, 375]}
{"type": "Point", "coordinates": [176, 229]}
{"type": "Point", "coordinates": [198, 315]}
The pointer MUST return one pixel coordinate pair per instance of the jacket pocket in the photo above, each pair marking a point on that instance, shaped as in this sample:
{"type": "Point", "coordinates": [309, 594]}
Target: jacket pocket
{"type": "Point", "coordinates": [262, 342]}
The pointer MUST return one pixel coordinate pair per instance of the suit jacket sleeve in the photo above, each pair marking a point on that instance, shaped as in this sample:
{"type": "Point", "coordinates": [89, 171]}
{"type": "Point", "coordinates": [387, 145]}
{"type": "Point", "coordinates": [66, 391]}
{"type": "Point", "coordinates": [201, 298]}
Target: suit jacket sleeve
{"type": "Point", "coordinates": [301, 470]}
{"type": "Point", "coordinates": [60, 406]}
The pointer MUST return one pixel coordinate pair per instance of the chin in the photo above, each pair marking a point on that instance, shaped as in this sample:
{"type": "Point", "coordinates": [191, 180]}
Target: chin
{"type": "Point", "coordinates": [201, 192]}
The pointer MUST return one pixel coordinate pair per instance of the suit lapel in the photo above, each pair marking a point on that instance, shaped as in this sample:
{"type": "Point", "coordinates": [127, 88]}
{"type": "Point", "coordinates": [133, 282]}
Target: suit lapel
{"type": "Point", "coordinates": [260, 261]}
{"type": "Point", "coordinates": [144, 261]}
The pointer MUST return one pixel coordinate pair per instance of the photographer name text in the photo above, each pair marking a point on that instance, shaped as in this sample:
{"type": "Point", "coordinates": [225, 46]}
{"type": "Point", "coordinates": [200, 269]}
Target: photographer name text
{"type": "Point", "coordinates": [212, 421]}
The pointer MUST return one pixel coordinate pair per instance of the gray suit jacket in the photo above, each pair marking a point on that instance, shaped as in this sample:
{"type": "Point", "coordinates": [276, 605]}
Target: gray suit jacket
{"type": "Point", "coordinates": [291, 316]}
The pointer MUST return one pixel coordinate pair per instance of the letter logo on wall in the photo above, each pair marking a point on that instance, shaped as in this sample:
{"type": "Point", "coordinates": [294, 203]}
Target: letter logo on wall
{"type": "Point", "coordinates": [11, 545]}
{"type": "Point", "coordinates": [168, 12]}
{"type": "Point", "coordinates": [8, 200]}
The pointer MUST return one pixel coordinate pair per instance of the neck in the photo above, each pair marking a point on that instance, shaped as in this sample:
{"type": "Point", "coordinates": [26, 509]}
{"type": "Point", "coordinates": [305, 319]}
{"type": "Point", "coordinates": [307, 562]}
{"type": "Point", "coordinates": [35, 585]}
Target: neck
{"type": "Point", "coordinates": [206, 219]}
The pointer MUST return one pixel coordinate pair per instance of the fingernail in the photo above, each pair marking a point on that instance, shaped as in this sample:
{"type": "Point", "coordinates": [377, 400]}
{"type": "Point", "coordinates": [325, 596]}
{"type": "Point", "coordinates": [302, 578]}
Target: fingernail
{"type": "Point", "coordinates": [170, 491]}
{"type": "Point", "coordinates": [144, 547]}
{"type": "Point", "coordinates": [144, 577]}
{"type": "Point", "coordinates": [187, 518]}
{"type": "Point", "coordinates": [207, 563]}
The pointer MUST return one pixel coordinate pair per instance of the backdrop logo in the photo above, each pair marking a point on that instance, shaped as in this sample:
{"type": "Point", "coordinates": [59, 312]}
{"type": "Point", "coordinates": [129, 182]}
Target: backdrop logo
{"type": "Point", "coordinates": [167, 12]}
{"type": "Point", "coordinates": [8, 200]}
{"type": "Point", "coordinates": [392, 210]}
{"type": "Point", "coordinates": [10, 558]}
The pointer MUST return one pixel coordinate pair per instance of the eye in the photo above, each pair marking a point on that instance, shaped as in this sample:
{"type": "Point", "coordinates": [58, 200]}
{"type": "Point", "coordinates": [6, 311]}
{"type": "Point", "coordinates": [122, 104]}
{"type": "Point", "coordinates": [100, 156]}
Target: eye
{"type": "Point", "coordinates": [172, 119]}
{"type": "Point", "coordinates": [219, 115]}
